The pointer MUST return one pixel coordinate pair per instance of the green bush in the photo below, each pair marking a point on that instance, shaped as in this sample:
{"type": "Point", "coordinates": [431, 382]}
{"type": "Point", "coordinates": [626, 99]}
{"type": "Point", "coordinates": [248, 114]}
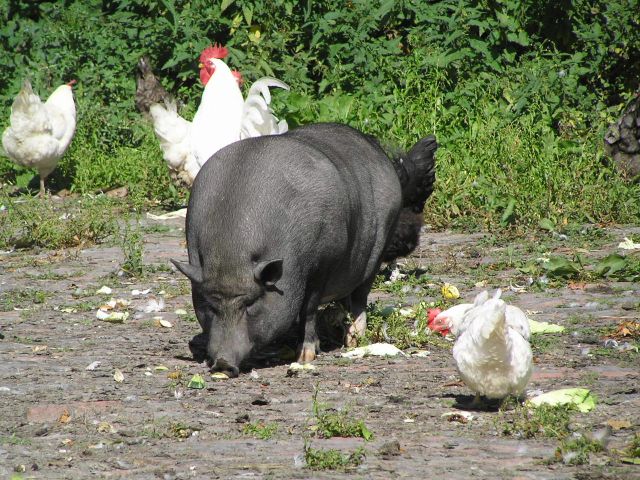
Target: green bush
{"type": "Point", "coordinates": [519, 93]}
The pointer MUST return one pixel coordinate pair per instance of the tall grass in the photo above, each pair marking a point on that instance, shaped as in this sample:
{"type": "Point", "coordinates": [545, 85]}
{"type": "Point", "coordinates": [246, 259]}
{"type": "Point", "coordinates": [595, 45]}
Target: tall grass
{"type": "Point", "coordinates": [519, 110]}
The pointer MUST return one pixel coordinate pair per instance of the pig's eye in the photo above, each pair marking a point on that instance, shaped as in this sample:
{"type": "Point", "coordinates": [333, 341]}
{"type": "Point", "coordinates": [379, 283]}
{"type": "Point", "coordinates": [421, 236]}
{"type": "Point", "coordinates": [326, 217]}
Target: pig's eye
{"type": "Point", "coordinates": [251, 307]}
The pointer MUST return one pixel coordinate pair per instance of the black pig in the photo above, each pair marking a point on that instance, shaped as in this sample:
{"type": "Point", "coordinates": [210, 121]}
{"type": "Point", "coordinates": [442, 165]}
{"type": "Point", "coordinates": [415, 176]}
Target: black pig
{"type": "Point", "coordinates": [278, 225]}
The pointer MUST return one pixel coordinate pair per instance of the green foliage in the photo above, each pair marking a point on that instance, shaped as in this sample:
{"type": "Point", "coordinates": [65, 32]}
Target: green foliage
{"type": "Point", "coordinates": [332, 459]}
{"type": "Point", "coordinates": [614, 266]}
{"type": "Point", "coordinates": [132, 246]}
{"type": "Point", "coordinates": [518, 93]}
{"type": "Point", "coordinates": [37, 222]}
{"type": "Point", "coordinates": [550, 421]}
{"type": "Point", "coordinates": [390, 325]}
{"type": "Point", "coordinates": [576, 450]}
{"type": "Point", "coordinates": [334, 423]}
{"type": "Point", "coordinates": [632, 452]}
{"type": "Point", "coordinates": [263, 431]}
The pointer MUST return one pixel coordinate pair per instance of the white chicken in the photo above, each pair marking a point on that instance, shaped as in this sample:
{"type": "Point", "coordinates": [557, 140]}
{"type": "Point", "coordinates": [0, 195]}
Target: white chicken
{"type": "Point", "coordinates": [492, 351]}
{"type": "Point", "coordinates": [223, 116]}
{"type": "Point", "coordinates": [39, 133]}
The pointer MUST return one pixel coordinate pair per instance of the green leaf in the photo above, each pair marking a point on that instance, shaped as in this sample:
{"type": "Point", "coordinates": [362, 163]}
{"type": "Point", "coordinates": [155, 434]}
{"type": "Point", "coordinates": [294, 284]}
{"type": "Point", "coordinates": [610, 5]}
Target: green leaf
{"type": "Point", "coordinates": [366, 433]}
{"type": "Point", "coordinates": [168, 4]}
{"type": "Point", "coordinates": [247, 11]}
{"type": "Point", "coordinates": [610, 265]}
{"type": "Point", "coordinates": [196, 382]}
{"type": "Point", "coordinates": [508, 214]}
{"type": "Point", "coordinates": [23, 179]}
{"type": "Point", "coordinates": [560, 267]}
{"type": "Point", "coordinates": [225, 4]}
{"type": "Point", "coordinates": [547, 224]}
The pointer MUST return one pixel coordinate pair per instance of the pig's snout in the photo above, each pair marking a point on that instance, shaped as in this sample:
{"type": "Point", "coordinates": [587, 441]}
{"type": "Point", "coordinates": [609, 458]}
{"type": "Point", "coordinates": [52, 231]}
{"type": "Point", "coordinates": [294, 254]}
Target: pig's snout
{"type": "Point", "coordinates": [222, 365]}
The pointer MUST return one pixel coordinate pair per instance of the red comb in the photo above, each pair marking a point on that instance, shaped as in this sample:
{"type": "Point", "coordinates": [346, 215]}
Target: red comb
{"type": "Point", "coordinates": [213, 51]}
{"type": "Point", "coordinates": [71, 83]}
{"type": "Point", "coordinates": [432, 314]}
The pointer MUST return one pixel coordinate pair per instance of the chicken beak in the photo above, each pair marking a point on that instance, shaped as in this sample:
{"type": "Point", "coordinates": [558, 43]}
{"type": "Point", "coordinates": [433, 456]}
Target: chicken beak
{"type": "Point", "coordinates": [201, 65]}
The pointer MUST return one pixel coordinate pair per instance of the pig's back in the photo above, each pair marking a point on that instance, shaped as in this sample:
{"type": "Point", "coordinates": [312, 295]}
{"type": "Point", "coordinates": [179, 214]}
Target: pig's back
{"type": "Point", "coordinates": [323, 197]}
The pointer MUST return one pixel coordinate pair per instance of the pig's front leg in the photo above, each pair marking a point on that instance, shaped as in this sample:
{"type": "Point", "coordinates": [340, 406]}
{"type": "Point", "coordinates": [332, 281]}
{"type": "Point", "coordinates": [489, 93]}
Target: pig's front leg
{"type": "Point", "coordinates": [198, 344]}
{"type": "Point", "coordinates": [309, 342]}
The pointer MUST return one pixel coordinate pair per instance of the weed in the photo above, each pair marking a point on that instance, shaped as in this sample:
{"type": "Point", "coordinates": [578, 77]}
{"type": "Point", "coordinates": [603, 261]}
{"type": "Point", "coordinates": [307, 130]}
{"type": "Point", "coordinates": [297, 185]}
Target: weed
{"type": "Point", "coordinates": [132, 249]}
{"type": "Point", "coordinates": [263, 431]}
{"type": "Point", "coordinates": [632, 452]}
{"type": "Point", "coordinates": [156, 228]}
{"type": "Point", "coordinates": [576, 450]}
{"type": "Point", "coordinates": [389, 325]}
{"type": "Point", "coordinates": [544, 343]}
{"type": "Point", "coordinates": [50, 275]}
{"type": "Point", "coordinates": [159, 428]}
{"type": "Point", "coordinates": [542, 421]}
{"type": "Point", "coordinates": [33, 222]}
{"type": "Point", "coordinates": [21, 299]}
{"type": "Point", "coordinates": [332, 459]}
{"type": "Point", "coordinates": [331, 423]}
{"type": "Point", "coordinates": [14, 440]}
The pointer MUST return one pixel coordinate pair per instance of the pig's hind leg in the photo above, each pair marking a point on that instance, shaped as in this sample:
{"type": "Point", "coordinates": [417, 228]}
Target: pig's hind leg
{"type": "Point", "coordinates": [356, 303]}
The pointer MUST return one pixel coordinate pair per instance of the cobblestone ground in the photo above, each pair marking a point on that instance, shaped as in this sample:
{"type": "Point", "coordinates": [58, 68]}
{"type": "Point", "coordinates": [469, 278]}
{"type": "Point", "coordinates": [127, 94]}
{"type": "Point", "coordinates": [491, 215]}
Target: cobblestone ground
{"type": "Point", "coordinates": [63, 415]}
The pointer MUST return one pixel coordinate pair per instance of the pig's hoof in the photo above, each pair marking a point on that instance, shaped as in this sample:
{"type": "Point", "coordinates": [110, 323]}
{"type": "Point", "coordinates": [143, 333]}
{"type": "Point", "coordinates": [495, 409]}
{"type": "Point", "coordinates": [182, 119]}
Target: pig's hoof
{"type": "Point", "coordinates": [307, 353]}
{"type": "Point", "coordinates": [356, 330]}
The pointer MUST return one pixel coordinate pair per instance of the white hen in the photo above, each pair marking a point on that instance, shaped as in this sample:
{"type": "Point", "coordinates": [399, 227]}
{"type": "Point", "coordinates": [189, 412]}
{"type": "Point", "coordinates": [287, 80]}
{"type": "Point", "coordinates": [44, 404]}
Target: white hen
{"type": "Point", "coordinates": [39, 133]}
{"type": "Point", "coordinates": [492, 352]}
{"type": "Point", "coordinates": [223, 116]}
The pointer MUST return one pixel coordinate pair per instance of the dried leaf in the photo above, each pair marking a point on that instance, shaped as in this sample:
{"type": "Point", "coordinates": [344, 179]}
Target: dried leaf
{"type": "Point", "coordinates": [175, 375]}
{"type": "Point", "coordinates": [628, 244]}
{"type": "Point", "coordinates": [105, 427]}
{"type": "Point", "coordinates": [65, 417]}
{"type": "Point", "coordinates": [219, 376]}
{"type": "Point", "coordinates": [38, 348]}
{"type": "Point", "coordinates": [575, 285]}
{"type": "Point", "coordinates": [93, 365]}
{"type": "Point", "coordinates": [375, 349]}
{"type": "Point", "coordinates": [165, 323]}
{"type": "Point", "coordinates": [619, 424]}
{"type": "Point", "coordinates": [135, 293]}
{"type": "Point", "coordinates": [118, 376]}
{"type": "Point", "coordinates": [459, 417]}
{"type": "Point", "coordinates": [160, 368]}
{"type": "Point", "coordinates": [104, 290]}
{"type": "Point", "coordinates": [450, 292]}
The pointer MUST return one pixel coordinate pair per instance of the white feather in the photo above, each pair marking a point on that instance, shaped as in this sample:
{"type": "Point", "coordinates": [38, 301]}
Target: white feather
{"type": "Point", "coordinates": [493, 357]}
{"type": "Point", "coordinates": [39, 133]}
{"type": "Point", "coordinates": [223, 117]}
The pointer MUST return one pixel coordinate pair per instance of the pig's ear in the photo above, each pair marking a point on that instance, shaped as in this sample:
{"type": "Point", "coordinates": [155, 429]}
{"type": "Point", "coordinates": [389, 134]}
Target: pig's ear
{"type": "Point", "coordinates": [192, 272]}
{"type": "Point", "coordinates": [269, 272]}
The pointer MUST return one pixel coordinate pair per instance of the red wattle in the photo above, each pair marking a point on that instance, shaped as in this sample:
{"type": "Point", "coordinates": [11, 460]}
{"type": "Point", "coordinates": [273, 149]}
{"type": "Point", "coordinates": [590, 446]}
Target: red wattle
{"type": "Point", "coordinates": [204, 76]}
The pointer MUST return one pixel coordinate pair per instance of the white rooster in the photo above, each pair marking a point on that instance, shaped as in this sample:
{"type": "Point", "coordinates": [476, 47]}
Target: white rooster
{"type": "Point", "coordinates": [223, 116]}
{"type": "Point", "coordinates": [492, 351]}
{"type": "Point", "coordinates": [39, 133]}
